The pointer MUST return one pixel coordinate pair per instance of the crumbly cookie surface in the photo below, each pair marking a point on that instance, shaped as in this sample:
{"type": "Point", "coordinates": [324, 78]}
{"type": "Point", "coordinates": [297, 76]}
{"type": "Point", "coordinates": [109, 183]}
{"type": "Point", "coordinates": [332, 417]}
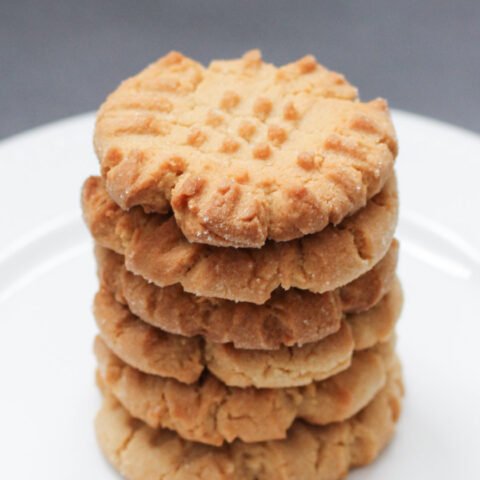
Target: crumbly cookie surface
{"type": "Point", "coordinates": [211, 412]}
{"type": "Point", "coordinates": [153, 351]}
{"type": "Point", "coordinates": [309, 452]}
{"type": "Point", "coordinates": [301, 365]}
{"type": "Point", "coordinates": [289, 318]}
{"type": "Point", "coordinates": [243, 151]}
{"type": "Point", "coordinates": [155, 248]}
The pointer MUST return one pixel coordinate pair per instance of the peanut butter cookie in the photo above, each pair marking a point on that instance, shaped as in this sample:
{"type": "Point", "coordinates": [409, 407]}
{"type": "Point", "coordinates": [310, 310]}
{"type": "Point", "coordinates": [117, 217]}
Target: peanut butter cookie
{"type": "Point", "coordinates": [243, 151]}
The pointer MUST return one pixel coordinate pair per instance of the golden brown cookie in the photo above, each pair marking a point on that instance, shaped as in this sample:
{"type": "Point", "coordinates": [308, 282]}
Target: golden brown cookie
{"type": "Point", "coordinates": [153, 351]}
{"type": "Point", "coordinates": [155, 248]}
{"type": "Point", "coordinates": [289, 318]}
{"type": "Point", "coordinates": [309, 452]}
{"type": "Point", "coordinates": [295, 366]}
{"type": "Point", "coordinates": [210, 412]}
{"type": "Point", "coordinates": [243, 151]}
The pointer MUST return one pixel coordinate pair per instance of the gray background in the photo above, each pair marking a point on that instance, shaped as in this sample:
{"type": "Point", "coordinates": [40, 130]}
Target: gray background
{"type": "Point", "coordinates": [59, 58]}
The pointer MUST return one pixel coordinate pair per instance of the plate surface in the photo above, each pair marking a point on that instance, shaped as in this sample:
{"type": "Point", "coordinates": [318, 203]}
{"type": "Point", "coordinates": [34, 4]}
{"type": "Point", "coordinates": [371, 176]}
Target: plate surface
{"type": "Point", "coordinates": [47, 282]}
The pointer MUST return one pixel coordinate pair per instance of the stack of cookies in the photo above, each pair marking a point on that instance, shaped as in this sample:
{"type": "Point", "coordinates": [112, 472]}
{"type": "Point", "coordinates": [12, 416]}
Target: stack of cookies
{"type": "Point", "coordinates": [244, 225]}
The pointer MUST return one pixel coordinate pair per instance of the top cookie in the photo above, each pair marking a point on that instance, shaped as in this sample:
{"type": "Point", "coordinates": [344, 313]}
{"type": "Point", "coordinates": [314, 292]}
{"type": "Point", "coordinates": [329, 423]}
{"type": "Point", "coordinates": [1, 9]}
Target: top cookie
{"type": "Point", "coordinates": [243, 151]}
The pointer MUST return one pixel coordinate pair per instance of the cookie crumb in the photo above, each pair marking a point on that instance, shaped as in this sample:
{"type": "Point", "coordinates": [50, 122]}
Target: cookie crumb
{"type": "Point", "coordinates": [173, 58]}
{"type": "Point", "coordinates": [343, 145]}
{"type": "Point", "coordinates": [262, 107]}
{"type": "Point", "coordinates": [246, 130]}
{"type": "Point", "coordinates": [338, 78]}
{"type": "Point", "coordinates": [307, 64]}
{"type": "Point", "coordinates": [362, 123]}
{"type": "Point", "coordinates": [306, 160]}
{"type": "Point", "coordinates": [242, 177]}
{"type": "Point", "coordinates": [162, 105]}
{"type": "Point", "coordinates": [261, 151]}
{"type": "Point", "coordinates": [277, 134]}
{"type": "Point", "coordinates": [196, 137]}
{"type": "Point", "coordinates": [252, 58]}
{"type": "Point", "coordinates": [229, 100]}
{"type": "Point", "coordinates": [214, 118]}
{"type": "Point", "coordinates": [380, 104]}
{"type": "Point", "coordinates": [167, 85]}
{"type": "Point", "coordinates": [229, 145]}
{"type": "Point", "coordinates": [290, 112]}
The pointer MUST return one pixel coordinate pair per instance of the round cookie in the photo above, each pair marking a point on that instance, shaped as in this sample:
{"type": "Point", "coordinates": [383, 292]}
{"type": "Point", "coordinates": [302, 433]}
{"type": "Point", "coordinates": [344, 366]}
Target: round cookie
{"type": "Point", "coordinates": [301, 365]}
{"type": "Point", "coordinates": [288, 318]}
{"type": "Point", "coordinates": [210, 412]}
{"type": "Point", "coordinates": [309, 452]}
{"type": "Point", "coordinates": [243, 151]}
{"type": "Point", "coordinates": [376, 325]}
{"type": "Point", "coordinates": [155, 248]}
{"type": "Point", "coordinates": [153, 351]}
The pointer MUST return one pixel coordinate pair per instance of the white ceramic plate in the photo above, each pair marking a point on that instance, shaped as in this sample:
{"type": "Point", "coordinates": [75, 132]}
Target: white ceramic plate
{"type": "Point", "coordinates": [47, 281]}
